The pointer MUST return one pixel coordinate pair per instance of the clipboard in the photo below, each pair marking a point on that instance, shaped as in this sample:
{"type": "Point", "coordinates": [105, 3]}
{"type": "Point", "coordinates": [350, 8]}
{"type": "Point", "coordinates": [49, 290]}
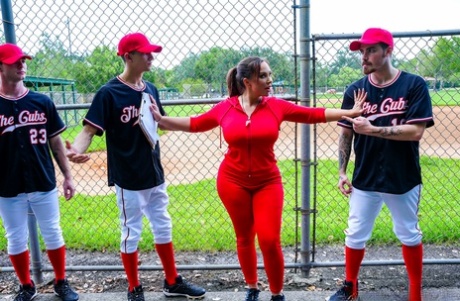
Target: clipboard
{"type": "Point", "coordinates": [148, 125]}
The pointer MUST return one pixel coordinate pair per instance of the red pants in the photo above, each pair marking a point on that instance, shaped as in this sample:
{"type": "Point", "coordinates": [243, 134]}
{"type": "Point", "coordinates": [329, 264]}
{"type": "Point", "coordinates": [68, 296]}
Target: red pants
{"type": "Point", "coordinates": [255, 206]}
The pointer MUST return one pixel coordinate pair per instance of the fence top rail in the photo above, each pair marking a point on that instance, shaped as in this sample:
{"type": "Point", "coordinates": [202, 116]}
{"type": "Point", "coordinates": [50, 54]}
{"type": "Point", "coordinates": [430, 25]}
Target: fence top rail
{"type": "Point", "coordinates": [405, 34]}
{"type": "Point", "coordinates": [169, 102]}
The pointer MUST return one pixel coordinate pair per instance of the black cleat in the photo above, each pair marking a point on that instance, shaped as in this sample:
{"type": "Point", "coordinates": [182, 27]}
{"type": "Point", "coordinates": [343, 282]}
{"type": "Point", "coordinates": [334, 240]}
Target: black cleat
{"type": "Point", "coordinates": [63, 290]}
{"type": "Point", "coordinates": [345, 293]}
{"type": "Point", "coordinates": [277, 298]}
{"type": "Point", "coordinates": [137, 294]}
{"type": "Point", "coordinates": [26, 292]}
{"type": "Point", "coordinates": [252, 294]}
{"type": "Point", "coordinates": [183, 289]}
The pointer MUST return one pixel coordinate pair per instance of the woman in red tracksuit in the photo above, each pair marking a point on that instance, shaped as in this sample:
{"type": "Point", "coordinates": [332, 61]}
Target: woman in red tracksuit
{"type": "Point", "coordinates": [249, 181]}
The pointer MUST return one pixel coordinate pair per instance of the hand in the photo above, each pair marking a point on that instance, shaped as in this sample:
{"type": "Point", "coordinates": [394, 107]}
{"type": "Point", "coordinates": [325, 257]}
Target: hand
{"type": "Point", "coordinates": [360, 97]}
{"type": "Point", "coordinates": [344, 185]}
{"type": "Point", "coordinates": [155, 110]}
{"type": "Point", "coordinates": [360, 124]}
{"type": "Point", "coordinates": [69, 189]}
{"type": "Point", "coordinates": [73, 155]}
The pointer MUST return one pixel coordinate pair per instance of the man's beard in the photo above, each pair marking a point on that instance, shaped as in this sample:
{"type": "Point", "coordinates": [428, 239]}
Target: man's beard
{"type": "Point", "coordinates": [367, 69]}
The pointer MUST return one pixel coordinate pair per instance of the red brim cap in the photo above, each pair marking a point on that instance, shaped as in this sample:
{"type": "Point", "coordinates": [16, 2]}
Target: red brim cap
{"type": "Point", "coordinates": [373, 36]}
{"type": "Point", "coordinates": [150, 48]}
{"type": "Point", "coordinates": [11, 53]}
{"type": "Point", "coordinates": [356, 45]}
{"type": "Point", "coordinates": [136, 42]}
{"type": "Point", "coordinates": [14, 59]}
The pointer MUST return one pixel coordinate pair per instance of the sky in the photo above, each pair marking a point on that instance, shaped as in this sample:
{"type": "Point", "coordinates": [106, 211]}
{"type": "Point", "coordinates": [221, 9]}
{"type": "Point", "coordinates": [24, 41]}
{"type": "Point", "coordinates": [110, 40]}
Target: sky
{"type": "Point", "coordinates": [184, 27]}
{"type": "Point", "coordinates": [354, 16]}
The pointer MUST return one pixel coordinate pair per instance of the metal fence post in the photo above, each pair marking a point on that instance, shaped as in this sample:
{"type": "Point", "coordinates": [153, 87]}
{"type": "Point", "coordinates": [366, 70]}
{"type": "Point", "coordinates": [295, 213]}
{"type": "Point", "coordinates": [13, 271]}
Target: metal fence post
{"type": "Point", "coordinates": [8, 22]}
{"type": "Point", "coordinates": [34, 245]}
{"type": "Point", "coordinates": [304, 29]}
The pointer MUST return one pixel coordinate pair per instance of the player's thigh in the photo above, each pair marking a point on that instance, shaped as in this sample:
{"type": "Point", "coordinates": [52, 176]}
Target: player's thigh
{"type": "Point", "coordinates": [365, 206]}
{"type": "Point", "coordinates": [129, 206]}
{"type": "Point", "coordinates": [13, 212]}
{"type": "Point", "coordinates": [364, 209]}
{"type": "Point", "coordinates": [154, 204]}
{"type": "Point", "coordinates": [404, 206]}
{"type": "Point", "coordinates": [45, 206]}
{"type": "Point", "coordinates": [404, 212]}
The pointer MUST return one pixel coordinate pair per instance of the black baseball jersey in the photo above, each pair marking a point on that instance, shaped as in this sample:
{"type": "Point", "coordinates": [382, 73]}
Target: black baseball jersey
{"type": "Point", "coordinates": [26, 125]}
{"type": "Point", "coordinates": [132, 163]}
{"type": "Point", "coordinates": [385, 165]}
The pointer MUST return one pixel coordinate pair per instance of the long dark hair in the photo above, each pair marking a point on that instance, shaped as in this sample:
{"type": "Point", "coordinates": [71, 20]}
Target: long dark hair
{"type": "Point", "coordinates": [246, 68]}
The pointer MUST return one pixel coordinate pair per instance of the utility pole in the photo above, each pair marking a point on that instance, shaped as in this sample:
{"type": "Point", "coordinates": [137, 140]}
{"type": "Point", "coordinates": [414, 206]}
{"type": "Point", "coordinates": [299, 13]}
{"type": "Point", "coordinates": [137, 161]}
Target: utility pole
{"type": "Point", "coordinates": [8, 21]}
{"type": "Point", "coordinates": [67, 23]}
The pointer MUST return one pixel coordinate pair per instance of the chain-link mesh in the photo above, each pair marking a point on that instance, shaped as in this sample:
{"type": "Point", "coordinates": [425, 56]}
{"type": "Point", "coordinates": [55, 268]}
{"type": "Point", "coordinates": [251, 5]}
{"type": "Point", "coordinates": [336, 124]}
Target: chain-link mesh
{"type": "Point", "coordinates": [74, 43]}
{"type": "Point", "coordinates": [74, 48]}
{"type": "Point", "coordinates": [436, 58]}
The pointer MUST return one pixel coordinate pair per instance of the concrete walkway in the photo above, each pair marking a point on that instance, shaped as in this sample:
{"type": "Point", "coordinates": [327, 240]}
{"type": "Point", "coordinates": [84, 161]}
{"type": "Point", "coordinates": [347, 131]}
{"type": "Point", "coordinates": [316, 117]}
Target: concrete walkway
{"type": "Point", "coordinates": [431, 294]}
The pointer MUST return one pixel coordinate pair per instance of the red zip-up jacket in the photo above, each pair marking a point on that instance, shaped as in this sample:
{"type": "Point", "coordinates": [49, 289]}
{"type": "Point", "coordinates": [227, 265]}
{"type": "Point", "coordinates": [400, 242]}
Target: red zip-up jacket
{"type": "Point", "coordinates": [251, 144]}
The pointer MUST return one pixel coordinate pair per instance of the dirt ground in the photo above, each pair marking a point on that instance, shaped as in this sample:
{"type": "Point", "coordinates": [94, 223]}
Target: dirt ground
{"type": "Point", "coordinates": [443, 140]}
{"type": "Point", "coordinates": [324, 278]}
{"type": "Point", "coordinates": [181, 164]}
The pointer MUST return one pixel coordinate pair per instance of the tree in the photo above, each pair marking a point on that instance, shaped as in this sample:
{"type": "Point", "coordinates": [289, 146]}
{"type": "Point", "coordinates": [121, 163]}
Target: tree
{"type": "Point", "coordinates": [51, 60]}
{"type": "Point", "coordinates": [281, 64]}
{"type": "Point", "coordinates": [323, 73]}
{"type": "Point", "coordinates": [345, 58]}
{"type": "Point", "coordinates": [328, 74]}
{"type": "Point", "coordinates": [157, 76]}
{"type": "Point", "coordinates": [212, 66]}
{"type": "Point", "coordinates": [94, 70]}
{"type": "Point", "coordinates": [345, 76]}
{"type": "Point", "coordinates": [445, 60]}
{"type": "Point", "coordinates": [185, 70]}
{"type": "Point", "coordinates": [441, 63]}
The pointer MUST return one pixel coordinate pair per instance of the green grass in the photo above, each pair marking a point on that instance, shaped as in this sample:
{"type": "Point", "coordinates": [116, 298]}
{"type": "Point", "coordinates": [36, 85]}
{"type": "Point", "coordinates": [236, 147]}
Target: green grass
{"type": "Point", "coordinates": [201, 222]}
{"type": "Point", "coordinates": [71, 132]}
{"type": "Point", "coordinates": [445, 97]}
{"type": "Point", "coordinates": [439, 214]}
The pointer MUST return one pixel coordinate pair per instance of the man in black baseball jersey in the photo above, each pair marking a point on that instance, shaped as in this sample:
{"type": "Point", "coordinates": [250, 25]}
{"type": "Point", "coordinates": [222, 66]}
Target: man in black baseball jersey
{"type": "Point", "coordinates": [387, 169]}
{"type": "Point", "coordinates": [134, 167]}
{"type": "Point", "coordinates": [29, 128]}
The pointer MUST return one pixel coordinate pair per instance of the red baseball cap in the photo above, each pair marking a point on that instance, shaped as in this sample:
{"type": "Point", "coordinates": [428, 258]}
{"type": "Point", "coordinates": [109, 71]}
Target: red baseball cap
{"type": "Point", "coordinates": [373, 36]}
{"type": "Point", "coordinates": [10, 54]}
{"type": "Point", "coordinates": [136, 42]}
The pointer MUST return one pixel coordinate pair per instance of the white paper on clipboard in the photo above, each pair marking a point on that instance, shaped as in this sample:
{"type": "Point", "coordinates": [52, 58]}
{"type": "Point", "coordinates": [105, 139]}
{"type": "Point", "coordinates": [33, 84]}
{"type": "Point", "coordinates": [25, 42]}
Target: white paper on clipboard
{"type": "Point", "coordinates": [148, 125]}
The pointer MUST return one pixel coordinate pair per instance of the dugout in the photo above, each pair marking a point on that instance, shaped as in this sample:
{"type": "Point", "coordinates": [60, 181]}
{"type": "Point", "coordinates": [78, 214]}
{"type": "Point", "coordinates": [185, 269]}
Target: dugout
{"type": "Point", "coordinates": [282, 87]}
{"type": "Point", "coordinates": [168, 93]}
{"type": "Point", "coordinates": [61, 91]}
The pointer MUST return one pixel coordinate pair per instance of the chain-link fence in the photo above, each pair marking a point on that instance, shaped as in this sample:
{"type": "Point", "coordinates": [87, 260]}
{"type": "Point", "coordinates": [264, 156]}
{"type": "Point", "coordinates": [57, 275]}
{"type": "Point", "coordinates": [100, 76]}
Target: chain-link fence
{"type": "Point", "coordinates": [74, 48]}
{"type": "Point", "coordinates": [435, 57]}
{"type": "Point", "coordinates": [73, 44]}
